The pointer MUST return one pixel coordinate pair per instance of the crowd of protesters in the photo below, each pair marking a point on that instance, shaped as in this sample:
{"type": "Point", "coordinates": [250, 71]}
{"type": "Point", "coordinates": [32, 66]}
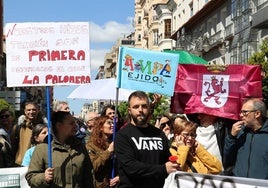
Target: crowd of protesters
{"type": "Point", "coordinates": [138, 155]}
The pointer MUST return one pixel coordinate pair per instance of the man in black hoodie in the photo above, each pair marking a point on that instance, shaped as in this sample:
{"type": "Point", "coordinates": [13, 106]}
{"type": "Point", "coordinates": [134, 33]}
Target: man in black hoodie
{"type": "Point", "coordinates": [141, 149]}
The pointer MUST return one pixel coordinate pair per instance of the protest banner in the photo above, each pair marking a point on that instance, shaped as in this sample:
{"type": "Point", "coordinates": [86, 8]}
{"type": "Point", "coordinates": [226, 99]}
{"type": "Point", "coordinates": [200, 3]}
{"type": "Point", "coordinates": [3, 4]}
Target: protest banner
{"type": "Point", "coordinates": [48, 53]}
{"type": "Point", "coordinates": [206, 89]}
{"type": "Point", "coordinates": [149, 71]}
{"type": "Point", "coordinates": [191, 180]}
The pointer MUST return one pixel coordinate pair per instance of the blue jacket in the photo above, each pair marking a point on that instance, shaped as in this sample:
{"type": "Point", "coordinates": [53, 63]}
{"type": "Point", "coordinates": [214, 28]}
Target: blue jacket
{"type": "Point", "coordinates": [248, 152]}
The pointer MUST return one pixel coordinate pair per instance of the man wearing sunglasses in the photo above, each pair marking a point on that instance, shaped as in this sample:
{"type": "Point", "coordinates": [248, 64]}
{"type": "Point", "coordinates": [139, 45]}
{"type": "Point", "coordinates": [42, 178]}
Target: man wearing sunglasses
{"type": "Point", "coordinates": [247, 146]}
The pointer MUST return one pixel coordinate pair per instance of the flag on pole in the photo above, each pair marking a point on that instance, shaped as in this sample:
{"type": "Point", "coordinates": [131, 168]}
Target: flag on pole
{"type": "Point", "coordinates": [149, 71]}
{"type": "Point", "coordinates": [206, 89]}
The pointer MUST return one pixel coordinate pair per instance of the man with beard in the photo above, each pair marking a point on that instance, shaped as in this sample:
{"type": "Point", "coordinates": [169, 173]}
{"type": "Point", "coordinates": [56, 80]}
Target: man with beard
{"type": "Point", "coordinates": [141, 149]}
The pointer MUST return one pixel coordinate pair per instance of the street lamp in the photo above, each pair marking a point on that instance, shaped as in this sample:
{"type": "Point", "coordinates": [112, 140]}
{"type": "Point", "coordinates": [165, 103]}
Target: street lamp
{"type": "Point", "coordinates": [222, 48]}
{"type": "Point", "coordinates": [199, 44]}
{"type": "Point", "coordinates": [206, 45]}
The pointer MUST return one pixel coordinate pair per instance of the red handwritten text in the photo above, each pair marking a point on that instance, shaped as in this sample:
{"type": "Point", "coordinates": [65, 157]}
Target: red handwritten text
{"type": "Point", "coordinates": [54, 79]}
{"type": "Point", "coordinates": [56, 55]}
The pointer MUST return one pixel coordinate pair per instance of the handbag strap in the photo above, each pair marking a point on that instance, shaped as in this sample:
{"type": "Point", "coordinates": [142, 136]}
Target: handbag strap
{"type": "Point", "coordinates": [191, 166]}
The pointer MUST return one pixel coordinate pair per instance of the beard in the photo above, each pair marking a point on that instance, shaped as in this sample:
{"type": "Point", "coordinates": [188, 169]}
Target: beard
{"type": "Point", "coordinates": [140, 120]}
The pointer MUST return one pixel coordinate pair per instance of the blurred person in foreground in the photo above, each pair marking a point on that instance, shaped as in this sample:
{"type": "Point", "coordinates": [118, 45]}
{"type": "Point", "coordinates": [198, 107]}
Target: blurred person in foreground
{"type": "Point", "coordinates": [71, 165]}
{"type": "Point", "coordinates": [7, 115]}
{"type": "Point", "coordinates": [192, 156]}
{"type": "Point", "coordinates": [101, 152]}
{"type": "Point", "coordinates": [247, 146]}
{"type": "Point", "coordinates": [141, 149]}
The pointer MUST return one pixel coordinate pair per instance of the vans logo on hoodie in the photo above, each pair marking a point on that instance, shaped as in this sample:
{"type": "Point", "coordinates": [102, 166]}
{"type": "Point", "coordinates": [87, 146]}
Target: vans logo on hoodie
{"type": "Point", "coordinates": [148, 143]}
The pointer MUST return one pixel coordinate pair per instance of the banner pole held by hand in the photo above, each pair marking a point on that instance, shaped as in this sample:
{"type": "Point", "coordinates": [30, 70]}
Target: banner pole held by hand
{"type": "Point", "coordinates": [49, 127]}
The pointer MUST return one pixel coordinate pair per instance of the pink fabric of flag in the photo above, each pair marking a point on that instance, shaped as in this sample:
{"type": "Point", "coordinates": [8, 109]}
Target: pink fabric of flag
{"type": "Point", "coordinates": [198, 90]}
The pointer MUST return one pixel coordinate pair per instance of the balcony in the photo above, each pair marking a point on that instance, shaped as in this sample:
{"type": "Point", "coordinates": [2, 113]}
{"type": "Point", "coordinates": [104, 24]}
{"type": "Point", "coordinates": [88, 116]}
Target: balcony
{"type": "Point", "coordinates": [145, 34]}
{"type": "Point", "coordinates": [108, 56]}
{"type": "Point", "coordinates": [260, 19]}
{"type": "Point", "coordinates": [229, 31]}
{"type": "Point", "coordinates": [128, 42]}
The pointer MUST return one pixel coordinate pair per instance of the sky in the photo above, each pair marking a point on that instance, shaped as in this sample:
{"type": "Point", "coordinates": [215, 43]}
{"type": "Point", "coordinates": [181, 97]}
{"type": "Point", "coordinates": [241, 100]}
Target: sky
{"type": "Point", "coordinates": [109, 21]}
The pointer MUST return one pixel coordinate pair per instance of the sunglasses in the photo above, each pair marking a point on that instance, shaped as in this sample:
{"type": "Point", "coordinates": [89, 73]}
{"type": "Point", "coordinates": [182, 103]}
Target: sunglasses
{"type": "Point", "coordinates": [162, 125]}
{"type": "Point", "coordinates": [4, 116]}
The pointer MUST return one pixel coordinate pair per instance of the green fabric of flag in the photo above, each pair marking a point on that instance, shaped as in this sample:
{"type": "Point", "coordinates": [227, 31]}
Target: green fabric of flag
{"type": "Point", "coordinates": [187, 58]}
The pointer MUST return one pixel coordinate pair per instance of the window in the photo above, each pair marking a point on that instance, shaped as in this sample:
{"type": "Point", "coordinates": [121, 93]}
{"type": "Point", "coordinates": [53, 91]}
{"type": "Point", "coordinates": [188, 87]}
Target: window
{"type": "Point", "coordinates": [139, 37]}
{"type": "Point", "coordinates": [155, 37]}
{"type": "Point", "coordinates": [139, 20]}
{"type": "Point", "coordinates": [244, 5]}
{"type": "Point", "coordinates": [167, 28]}
{"type": "Point", "coordinates": [191, 9]}
{"type": "Point", "coordinates": [233, 9]}
{"type": "Point", "coordinates": [244, 53]}
{"type": "Point", "coordinates": [234, 56]}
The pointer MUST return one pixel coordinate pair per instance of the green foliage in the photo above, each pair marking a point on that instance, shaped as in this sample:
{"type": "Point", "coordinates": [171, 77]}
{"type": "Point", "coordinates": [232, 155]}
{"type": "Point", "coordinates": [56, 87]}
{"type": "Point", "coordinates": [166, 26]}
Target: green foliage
{"type": "Point", "coordinates": [261, 58]}
{"type": "Point", "coordinates": [160, 108]}
{"type": "Point", "coordinates": [4, 105]}
{"type": "Point", "coordinates": [122, 109]}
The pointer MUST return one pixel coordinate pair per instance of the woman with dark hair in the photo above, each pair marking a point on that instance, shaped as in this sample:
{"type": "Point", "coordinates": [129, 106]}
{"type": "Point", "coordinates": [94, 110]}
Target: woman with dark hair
{"type": "Point", "coordinates": [101, 151]}
{"type": "Point", "coordinates": [109, 110]}
{"type": "Point", "coordinates": [71, 166]}
{"type": "Point", "coordinates": [39, 134]}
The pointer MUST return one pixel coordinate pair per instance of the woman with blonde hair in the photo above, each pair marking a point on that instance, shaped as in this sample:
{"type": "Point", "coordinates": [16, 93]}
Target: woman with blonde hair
{"type": "Point", "coordinates": [191, 155]}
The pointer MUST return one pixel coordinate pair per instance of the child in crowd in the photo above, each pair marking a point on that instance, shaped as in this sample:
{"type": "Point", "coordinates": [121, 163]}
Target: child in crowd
{"type": "Point", "coordinates": [39, 133]}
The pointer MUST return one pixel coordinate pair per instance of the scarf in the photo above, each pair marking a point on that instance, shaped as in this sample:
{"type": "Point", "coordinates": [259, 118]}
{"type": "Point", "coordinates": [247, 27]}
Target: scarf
{"type": "Point", "coordinates": [207, 137]}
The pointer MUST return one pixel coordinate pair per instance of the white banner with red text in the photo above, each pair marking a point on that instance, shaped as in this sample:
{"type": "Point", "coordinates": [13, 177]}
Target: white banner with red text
{"type": "Point", "coordinates": [47, 53]}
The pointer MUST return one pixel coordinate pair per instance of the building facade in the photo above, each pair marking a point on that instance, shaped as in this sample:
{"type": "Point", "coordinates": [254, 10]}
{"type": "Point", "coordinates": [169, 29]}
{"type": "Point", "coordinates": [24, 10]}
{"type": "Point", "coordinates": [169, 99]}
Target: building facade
{"type": "Point", "coordinates": [222, 32]}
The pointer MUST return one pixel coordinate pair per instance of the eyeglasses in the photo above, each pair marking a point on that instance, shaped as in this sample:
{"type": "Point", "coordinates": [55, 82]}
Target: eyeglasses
{"type": "Point", "coordinates": [162, 125]}
{"type": "Point", "coordinates": [111, 113]}
{"type": "Point", "coordinates": [246, 112]}
{"type": "Point", "coordinates": [4, 116]}
{"type": "Point", "coordinates": [188, 135]}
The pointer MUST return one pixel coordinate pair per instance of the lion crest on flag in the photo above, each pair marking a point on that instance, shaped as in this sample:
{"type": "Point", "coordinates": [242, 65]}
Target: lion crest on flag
{"type": "Point", "coordinates": [215, 90]}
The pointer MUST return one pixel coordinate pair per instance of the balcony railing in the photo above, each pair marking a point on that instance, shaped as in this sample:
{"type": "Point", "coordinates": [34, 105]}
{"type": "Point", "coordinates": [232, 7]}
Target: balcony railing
{"type": "Point", "coordinates": [229, 30]}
